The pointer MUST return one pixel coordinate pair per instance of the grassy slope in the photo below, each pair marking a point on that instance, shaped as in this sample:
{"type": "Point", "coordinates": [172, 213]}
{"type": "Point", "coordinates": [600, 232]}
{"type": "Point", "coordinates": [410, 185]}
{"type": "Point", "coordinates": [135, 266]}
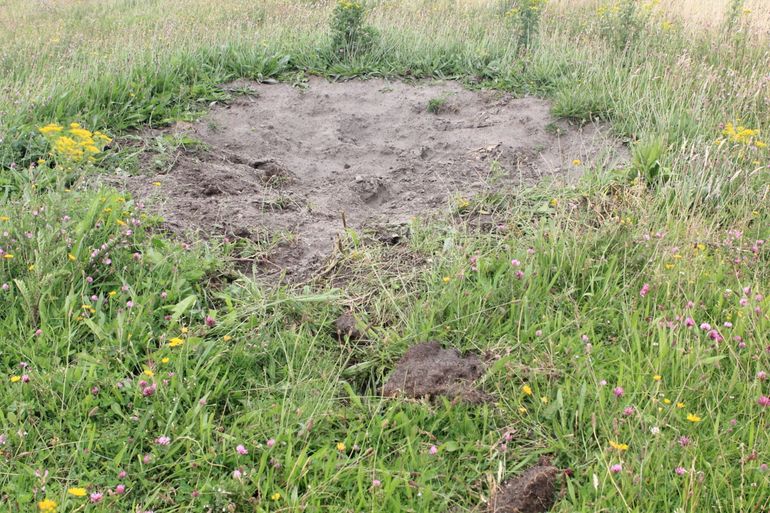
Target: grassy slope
{"type": "Point", "coordinates": [269, 370]}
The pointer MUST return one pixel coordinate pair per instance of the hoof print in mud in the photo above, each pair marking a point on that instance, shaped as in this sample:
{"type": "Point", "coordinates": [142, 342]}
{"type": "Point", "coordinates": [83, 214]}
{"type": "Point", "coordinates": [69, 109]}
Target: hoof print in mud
{"type": "Point", "coordinates": [273, 173]}
{"type": "Point", "coordinates": [371, 189]}
{"type": "Point", "coordinates": [427, 371]}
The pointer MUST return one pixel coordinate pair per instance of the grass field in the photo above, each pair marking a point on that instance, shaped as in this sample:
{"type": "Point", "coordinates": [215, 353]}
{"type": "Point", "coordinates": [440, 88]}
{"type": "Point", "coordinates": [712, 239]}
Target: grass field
{"type": "Point", "coordinates": [630, 343]}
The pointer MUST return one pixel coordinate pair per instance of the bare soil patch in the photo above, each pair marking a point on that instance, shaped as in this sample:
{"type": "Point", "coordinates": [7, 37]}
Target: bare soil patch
{"type": "Point", "coordinates": [428, 371]}
{"type": "Point", "coordinates": [282, 164]}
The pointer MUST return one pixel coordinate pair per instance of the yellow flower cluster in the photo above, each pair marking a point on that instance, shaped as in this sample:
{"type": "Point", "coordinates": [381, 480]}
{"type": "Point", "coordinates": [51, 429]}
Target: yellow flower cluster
{"type": "Point", "coordinates": [529, 6]}
{"type": "Point", "coordinates": [693, 418]}
{"type": "Point", "coordinates": [348, 4]}
{"type": "Point", "coordinates": [74, 144]}
{"type": "Point", "coordinates": [618, 446]}
{"type": "Point", "coordinates": [47, 506]}
{"type": "Point", "coordinates": [742, 135]}
{"type": "Point", "coordinates": [604, 10]}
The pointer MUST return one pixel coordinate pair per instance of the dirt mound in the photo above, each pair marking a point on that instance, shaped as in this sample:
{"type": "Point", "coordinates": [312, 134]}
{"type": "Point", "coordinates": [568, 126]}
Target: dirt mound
{"type": "Point", "coordinates": [428, 370]}
{"type": "Point", "coordinates": [280, 166]}
{"type": "Point", "coordinates": [534, 491]}
{"type": "Point", "coordinates": [347, 327]}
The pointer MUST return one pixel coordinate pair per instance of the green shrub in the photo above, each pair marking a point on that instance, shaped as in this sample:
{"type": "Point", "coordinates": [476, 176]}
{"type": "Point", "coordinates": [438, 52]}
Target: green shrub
{"type": "Point", "coordinates": [622, 22]}
{"type": "Point", "coordinates": [436, 105]}
{"type": "Point", "coordinates": [646, 162]}
{"type": "Point", "coordinates": [350, 35]}
{"type": "Point", "coordinates": [525, 16]}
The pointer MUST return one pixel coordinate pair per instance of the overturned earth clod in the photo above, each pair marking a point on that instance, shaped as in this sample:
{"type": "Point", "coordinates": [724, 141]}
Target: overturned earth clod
{"type": "Point", "coordinates": [534, 491]}
{"type": "Point", "coordinates": [347, 327]}
{"type": "Point", "coordinates": [427, 370]}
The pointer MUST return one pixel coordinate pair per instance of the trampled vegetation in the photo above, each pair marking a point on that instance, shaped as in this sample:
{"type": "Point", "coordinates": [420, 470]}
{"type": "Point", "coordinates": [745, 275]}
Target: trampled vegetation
{"type": "Point", "coordinates": [622, 320]}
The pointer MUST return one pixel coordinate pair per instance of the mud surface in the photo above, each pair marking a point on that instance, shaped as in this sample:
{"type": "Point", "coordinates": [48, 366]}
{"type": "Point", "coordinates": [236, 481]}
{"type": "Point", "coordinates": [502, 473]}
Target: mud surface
{"type": "Point", "coordinates": [534, 491]}
{"type": "Point", "coordinates": [281, 164]}
{"type": "Point", "coordinates": [428, 371]}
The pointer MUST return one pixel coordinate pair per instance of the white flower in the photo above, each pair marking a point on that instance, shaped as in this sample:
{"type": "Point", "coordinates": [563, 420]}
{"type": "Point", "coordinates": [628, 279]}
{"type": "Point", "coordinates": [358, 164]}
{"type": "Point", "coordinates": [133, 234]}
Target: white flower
{"type": "Point", "coordinates": [655, 430]}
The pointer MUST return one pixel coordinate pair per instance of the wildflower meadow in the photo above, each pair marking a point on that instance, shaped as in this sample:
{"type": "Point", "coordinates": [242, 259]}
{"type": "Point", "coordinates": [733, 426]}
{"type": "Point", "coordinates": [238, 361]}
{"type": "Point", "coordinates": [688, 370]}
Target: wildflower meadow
{"type": "Point", "coordinates": [620, 317]}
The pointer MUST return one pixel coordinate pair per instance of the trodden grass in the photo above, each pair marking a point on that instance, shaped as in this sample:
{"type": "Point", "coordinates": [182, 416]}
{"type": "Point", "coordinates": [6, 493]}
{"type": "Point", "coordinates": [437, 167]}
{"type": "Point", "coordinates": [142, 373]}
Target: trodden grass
{"type": "Point", "coordinates": [624, 317]}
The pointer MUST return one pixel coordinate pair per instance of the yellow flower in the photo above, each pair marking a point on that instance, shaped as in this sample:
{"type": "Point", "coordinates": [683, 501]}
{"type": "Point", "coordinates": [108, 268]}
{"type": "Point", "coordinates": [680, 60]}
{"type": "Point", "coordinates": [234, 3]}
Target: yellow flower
{"type": "Point", "coordinates": [184, 329]}
{"type": "Point", "coordinates": [81, 133]}
{"type": "Point", "coordinates": [544, 400]}
{"type": "Point", "coordinates": [693, 418]}
{"type": "Point", "coordinates": [576, 162]}
{"type": "Point", "coordinates": [340, 446]}
{"type": "Point", "coordinates": [15, 379]}
{"type": "Point", "coordinates": [227, 338]}
{"type": "Point", "coordinates": [77, 492]}
{"type": "Point", "coordinates": [522, 410]}
{"type": "Point", "coordinates": [71, 257]}
{"type": "Point", "coordinates": [617, 446]}
{"type": "Point", "coordinates": [47, 506]}
{"type": "Point", "coordinates": [276, 496]}
{"type": "Point", "coordinates": [50, 129]}
{"type": "Point", "coordinates": [5, 218]}
{"type": "Point", "coordinates": [113, 293]}
{"type": "Point", "coordinates": [74, 125]}
{"type": "Point", "coordinates": [657, 377]}
{"type": "Point", "coordinates": [104, 138]}
{"type": "Point", "coordinates": [526, 389]}
{"type": "Point", "coordinates": [446, 279]}
{"type": "Point", "coordinates": [680, 405]}
{"type": "Point", "coordinates": [8, 256]}
{"type": "Point", "coordinates": [554, 202]}
{"type": "Point", "coordinates": [174, 342]}
{"type": "Point", "coordinates": [165, 359]}
{"type": "Point", "coordinates": [667, 401]}
{"type": "Point", "coordinates": [148, 372]}
{"type": "Point", "coordinates": [156, 184]}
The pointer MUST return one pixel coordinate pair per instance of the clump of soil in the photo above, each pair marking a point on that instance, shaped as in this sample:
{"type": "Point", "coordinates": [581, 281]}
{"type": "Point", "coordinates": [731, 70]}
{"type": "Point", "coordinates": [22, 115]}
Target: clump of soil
{"type": "Point", "coordinates": [427, 371]}
{"type": "Point", "coordinates": [282, 166]}
{"type": "Point", "coordinates": [534, 491]}
{"type": "Point", "coordinates": [347, 327]}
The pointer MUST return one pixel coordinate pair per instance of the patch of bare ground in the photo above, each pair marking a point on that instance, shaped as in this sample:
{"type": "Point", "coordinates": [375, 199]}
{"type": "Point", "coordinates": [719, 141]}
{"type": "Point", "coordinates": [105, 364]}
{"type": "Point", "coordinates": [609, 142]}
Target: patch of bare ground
{"type": "Point", "coordinates": [282, 165]}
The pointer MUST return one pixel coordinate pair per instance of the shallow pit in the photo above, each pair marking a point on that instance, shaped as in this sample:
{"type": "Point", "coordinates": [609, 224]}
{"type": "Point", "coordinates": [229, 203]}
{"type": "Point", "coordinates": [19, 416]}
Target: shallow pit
{"type": "Point", "coordinates": [281, 164]}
